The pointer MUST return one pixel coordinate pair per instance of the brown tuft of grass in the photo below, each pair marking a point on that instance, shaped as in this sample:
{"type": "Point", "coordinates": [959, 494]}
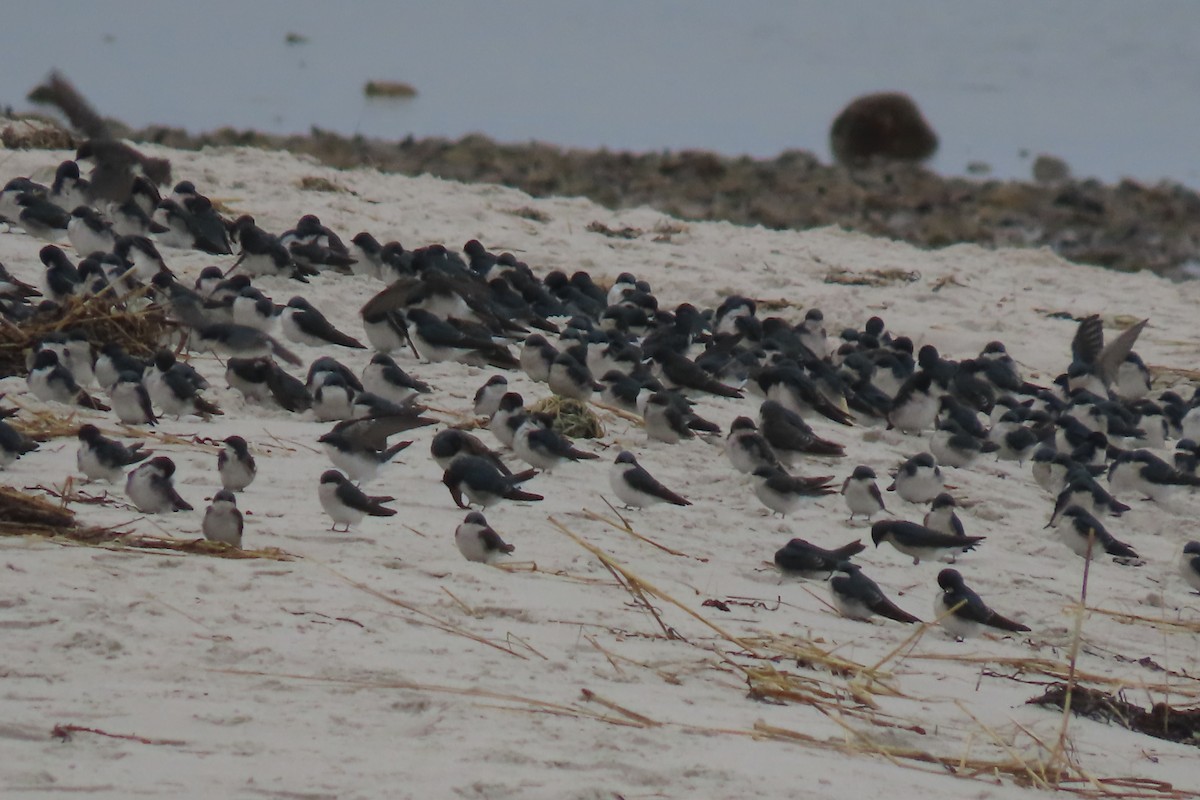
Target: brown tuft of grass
{"type": "Point", "coordinates": [571, 417]}
{"type": "Point", "coordinates": [315, 183]}
{"type": "Point", "coordinates": [1161, 721]}
{"type": "Point", "coordinates": [35, 134]}
{"type": "Point", "coordinates": [530, 213]}
{"type": "Point", "coordinates": [871, 277]}
{"type": "Point", "coordinates": [102, 317]}
{"type": "Point", "coordinates": [626, 232]}
{"type": "Point", "coordinates": [23, 514]}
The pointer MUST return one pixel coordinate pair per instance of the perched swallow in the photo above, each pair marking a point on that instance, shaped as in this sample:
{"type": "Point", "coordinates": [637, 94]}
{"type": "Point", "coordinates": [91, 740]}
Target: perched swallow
{"type": "Point", "coordinates": [324, 367]}
{"type": "Point", "coordinates": [570, 378]}
{"type": "Point", "coordinates": [365, 249]}
{"type": "Point", "coordinates": [243, 341]}
{"type": "Point", "coordinates": [174, 387]}
{"type": "Point", "coordinates": [790, 436]}
{"type": "Point", "coordinates": [954, 447]}
{"type": "Point", "coordinates": [61, 279]}
{"type": "Point", "coordinates": [235, 464]}
{"type": "Point", "coordinates": [1144, 473]}
{"type": "Point", "coordinates": [150, 486]}
{"type": "Point", "coordinates": [199, 230]}
{"type": "Point", "coordinates": [1186, 456]}
{"type": "Point", "coordinates": [333, 400]}
{"type": "Point", "coordinates": [1083, 490]}
{"type": "Point", "coordinates": [483, 484]}
{"type": "Point", "coordinates": [858, 597]}
{"type": "Point", "coordinates": [14, 288]}
{"type": "Point", "coordinates": [784, 493]}
{"type": "Point", "coordinates": [508, 417]}
{"type": "Point", "coordinates": [962, 612]}
{"type": "Point", "coordinates": [1050, 469]}
{"type": "Point", "coordinates": [303, 323]}
{"type": "Point", "coordinates": [747, 449]}
{"type": "Point", "coordinates": [104, 459]}
{"type": "Point", "coordinates": [386, 331]}
{"type": "Point", "coordinates": [41, 217]}
{"type": "Point", "coordinates": [637, 488]}
{"type": "Point", "coordinates": [251, 377]}
{"type": "Point", "coordinates": [918, 480]}
{"type": "Point", "coordinates": [360, 462]}
{"type": "Point", "coordinates": [49, 380]}
{"type": "Point", "coordinates": [920, 542]}
{"type": "Point", "coordinates": [13, 444]}
{"type": "Point", "coordinates": [222, 519]}
{"type": "Point", "coordinates": [862, 493]}
{"type": "Point", "coordinates": [621, 390]}
{"type": "Point", "coordinates": [1083, 533]}
{"type": "Point", "coordinates": [261, 252]}
{"type": "Point", "coordinates": [346, 504]}
{"type": "Point", "coordinates": [679, 371]}
{"type": "Point", "coordinates": [142, 256]}
{"type": "Point", "coordinates": [1189, 565]}
{"type": "Point", "coordinates": [542, 447]}
{"type": "Point", "coordinates": [437, 339]}
{"type": "Point", "coordinates": [69, 190]}
{"type": "Point", "coordinates": [664, 420]}
{"type": "Point", "coordinates": [367, 404]}
{"type": "Point", "coordinates": [89, 232]}
{"type": "Point", "coordinates": [799, 558]}
{"type": "Point", "coordinates": [253, 309]}
{"type": "Point", "coordinates": [478, 542]}
{"type": "Point", "coordinates": [130, 400]}
{"type": "Point", "coordinates": [450, 444]}
{"type": "Point", "coordinates": [537, 355]}
{"type": "Point", "coordinates": [812, 333]}
{"type": "Point", "coordinates": [383, 377]}
{"type": "Point", "coordinates": [1016, 444]}
{"type": "Point", "coordinates": [487, 397]}
{"type": "Point", "coordinates": [942, 518]}
{"type": "Point", "coordinates": [915, 406]}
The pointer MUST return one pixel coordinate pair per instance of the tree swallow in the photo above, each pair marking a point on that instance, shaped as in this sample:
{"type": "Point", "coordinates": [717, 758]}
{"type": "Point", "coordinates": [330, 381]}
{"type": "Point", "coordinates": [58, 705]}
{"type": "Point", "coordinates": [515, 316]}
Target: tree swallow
{"type": "Point", "coordinates": [637, 488]}
{"type": "Point", "coordinates": [346, 504]}
{"type": "Point", "coordinates": [101, 458]}
{"type": "Point", "coordinates": [478, 542]}
{"type": "Point", "coordinates": [962, 612]}
{"type": "Point", "coordinates": [1078, 526]}
{"type": "Point", "coordinates": [487, 397]}
{"type": "Point", "coordinates": [918, 480]}
{"type": "Point", "coordinates": [920, 542]}
{"type": "Point", "coordinates": [858, 597]}
{"type": "Point", "coordinates": [802, 559]}
{"type": "Point", "coordinates": [235, 464]}
{"type": "Point", "coordinates": [748, 449]}
{"type": "Point", "coordinates": [544, 448]}
{"type": "Point", "coordinates": [151, 489]}
{"type": "Point", "coordinates": [942, 518]}
{"type": "Point", "coordinates": [784, 493]}
{"type": "Point", "coordinates": [862, 493]}
{"type": "Point", "coordinates": [483, 484]}
{"type": "Point", "coordinates": [222, 520]}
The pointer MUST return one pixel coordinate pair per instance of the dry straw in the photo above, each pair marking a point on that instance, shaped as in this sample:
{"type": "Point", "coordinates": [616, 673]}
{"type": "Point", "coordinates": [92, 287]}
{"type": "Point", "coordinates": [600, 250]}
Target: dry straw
{"type": "Point", "coordinates": [100, 317]}
{"type": "Point", "coordinates": [23, 514]}
{"type": "Point", "coordinates": [571, 417]}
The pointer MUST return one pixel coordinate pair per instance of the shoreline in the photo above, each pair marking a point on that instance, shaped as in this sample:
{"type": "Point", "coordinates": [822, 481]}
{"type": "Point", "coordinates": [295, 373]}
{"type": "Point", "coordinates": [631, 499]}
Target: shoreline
{"type": "Point", "coordinates": [1127, 226]}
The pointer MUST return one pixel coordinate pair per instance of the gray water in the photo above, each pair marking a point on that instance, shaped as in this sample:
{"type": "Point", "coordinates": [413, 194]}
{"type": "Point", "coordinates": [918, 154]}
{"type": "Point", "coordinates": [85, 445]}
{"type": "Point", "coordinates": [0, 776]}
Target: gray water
{"type": "Point", "coordinates": [1112, 87]}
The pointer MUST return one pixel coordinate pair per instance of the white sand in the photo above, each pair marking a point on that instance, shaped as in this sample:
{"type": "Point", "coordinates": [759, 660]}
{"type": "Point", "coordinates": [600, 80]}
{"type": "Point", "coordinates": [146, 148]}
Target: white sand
{"type": "Point", "coordinates": [301, 679]}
